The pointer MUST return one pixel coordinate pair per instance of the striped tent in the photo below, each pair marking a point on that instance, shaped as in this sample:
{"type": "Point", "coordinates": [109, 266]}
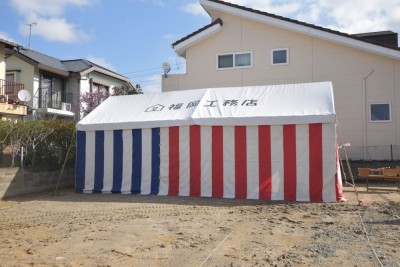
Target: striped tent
{"type": "Point", "coordinates": [265, 142]}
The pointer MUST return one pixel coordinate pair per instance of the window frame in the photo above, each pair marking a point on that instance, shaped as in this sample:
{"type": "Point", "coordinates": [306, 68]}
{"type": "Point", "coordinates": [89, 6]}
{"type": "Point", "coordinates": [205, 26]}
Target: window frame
{"type": "Point", "coordinates": [95, 86]}
{"type": "Point", "coordinates": [280, 49]}
{"type": "Point", "coordinates": [234, 60]}
{"type": "Point", "coordinates": [380, 103]}
{"type": "Point", "coordinates": [13, 74]}
{"type": "Point", "coordinates": [226, 54]}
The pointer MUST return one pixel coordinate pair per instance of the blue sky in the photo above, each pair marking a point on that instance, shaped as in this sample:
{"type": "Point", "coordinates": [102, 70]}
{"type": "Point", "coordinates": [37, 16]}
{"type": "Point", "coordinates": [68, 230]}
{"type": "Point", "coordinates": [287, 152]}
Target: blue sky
{"type": "Point", "coordinates": [133, 37]}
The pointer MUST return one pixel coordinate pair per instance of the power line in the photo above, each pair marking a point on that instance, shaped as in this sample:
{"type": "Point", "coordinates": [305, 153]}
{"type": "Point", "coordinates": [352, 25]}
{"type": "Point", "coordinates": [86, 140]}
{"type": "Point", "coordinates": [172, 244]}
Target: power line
{"type": "Point", "coordinates": [148, 81]}
{"type": "Point", "coordinates": [145, 75]}
{"type": "Point", "coordinates": [149, 69]}
{"type": "Point", "coordinates": [137, 78]}
{"type": "Point", "coordinates": [135, 71]}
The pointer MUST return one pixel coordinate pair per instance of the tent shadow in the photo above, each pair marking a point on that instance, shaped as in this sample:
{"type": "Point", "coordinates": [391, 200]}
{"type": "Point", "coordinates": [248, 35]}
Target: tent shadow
{"type": "Point", "coordinates": [69, 195]}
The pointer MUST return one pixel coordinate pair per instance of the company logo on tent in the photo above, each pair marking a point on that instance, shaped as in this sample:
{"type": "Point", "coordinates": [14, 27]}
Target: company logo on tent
{"type": "Point", "coordinates": [157, 107]}
{"type": "Point", "coordinates": [232, 103]}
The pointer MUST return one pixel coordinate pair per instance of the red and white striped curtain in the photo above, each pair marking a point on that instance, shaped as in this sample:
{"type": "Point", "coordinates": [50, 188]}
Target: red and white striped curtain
{"type": "Point", "coordinates": [284, 162]}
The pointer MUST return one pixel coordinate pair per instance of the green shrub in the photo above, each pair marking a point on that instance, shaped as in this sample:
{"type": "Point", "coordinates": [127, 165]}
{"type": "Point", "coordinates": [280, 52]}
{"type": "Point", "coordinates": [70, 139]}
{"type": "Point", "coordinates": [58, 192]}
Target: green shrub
{"type": "Point", "coordinates": [45, 142]}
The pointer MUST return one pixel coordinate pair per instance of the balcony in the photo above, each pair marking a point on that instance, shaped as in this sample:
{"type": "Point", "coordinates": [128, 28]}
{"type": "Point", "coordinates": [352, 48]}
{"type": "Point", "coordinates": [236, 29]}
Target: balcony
{"type": "Point", "coordinates": [9, 106]}
{"type": "Point", "coordinates": [55, 102]}
{"type": "Point", "coordinates": [9, 89]}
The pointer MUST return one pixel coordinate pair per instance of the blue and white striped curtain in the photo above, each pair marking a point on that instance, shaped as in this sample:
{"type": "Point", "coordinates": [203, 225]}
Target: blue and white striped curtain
{"type": "Point", "coordinates": [119, 161]}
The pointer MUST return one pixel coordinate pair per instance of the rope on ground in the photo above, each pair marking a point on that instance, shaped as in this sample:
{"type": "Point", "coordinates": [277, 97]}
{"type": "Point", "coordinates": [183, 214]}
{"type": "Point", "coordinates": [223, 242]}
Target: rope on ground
{"type": "Point", "coordinates": [353, 183]}
{"type": "Point", "coordinates": [360, 202]}
{"type": "Point", "coordinates": [215, 249]}
{"type": "Point", "coordinates": [369, 241]}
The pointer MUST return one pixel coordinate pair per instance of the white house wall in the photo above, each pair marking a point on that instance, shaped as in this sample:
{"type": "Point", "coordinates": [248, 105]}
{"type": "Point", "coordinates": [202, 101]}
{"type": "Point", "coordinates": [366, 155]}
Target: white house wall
{"type": "Point", "coordinates": [2, 62]}
{"type": "Point", "coordinates": [36, 86]}
{"type": "Point", "coordinates": [84, 82]}
{"type": "Point", "coordinates": [27, 75]}
{"type": "Point", "coordinates": [73, 86]}
{"type": "Point", "coordinates": [396, 107]}
{"type": "Point", "coordinates": [105, 80]}
{"type": "Point", "coordinates": [84, 85]}
{"type": "Point", "coordinates": [310, 60]}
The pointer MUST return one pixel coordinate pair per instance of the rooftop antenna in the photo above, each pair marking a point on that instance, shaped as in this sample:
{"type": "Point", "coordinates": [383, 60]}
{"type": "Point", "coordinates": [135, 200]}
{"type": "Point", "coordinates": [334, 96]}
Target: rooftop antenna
{"type": "Point", "coordinates": [30, 32]}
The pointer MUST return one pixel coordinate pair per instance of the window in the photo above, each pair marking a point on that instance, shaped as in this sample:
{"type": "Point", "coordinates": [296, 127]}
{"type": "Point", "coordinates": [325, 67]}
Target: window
{"type": "Point", "coordinates": [225, 61]}
{"type": "Point", "coordinates": [9, 86]}
{"type": "Point", "coordinates": [380, 112]}
{"type": "Point", "coordinates": [243, 60]}
{"type": "Point", "coordinates": [101, 92]}
{"type": "Point", "coordinates": [51, 91]}
{"type": "Point", "coordinates": [235, 60]}
{"type": "Point", "coordinates": [280, 56]}
{"type": "Point", "coordinates": [10, 77]}
{"type": "Point", "coordinates": [100, 88]}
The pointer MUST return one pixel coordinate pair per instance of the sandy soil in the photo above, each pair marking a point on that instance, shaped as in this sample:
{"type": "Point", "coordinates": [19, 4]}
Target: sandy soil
{"type": "Point", "coordinates": [68, 229]}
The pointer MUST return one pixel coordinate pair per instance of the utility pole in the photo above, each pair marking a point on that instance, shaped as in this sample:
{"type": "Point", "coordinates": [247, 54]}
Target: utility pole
{"type": "Point", "coordinates": [30, 32]}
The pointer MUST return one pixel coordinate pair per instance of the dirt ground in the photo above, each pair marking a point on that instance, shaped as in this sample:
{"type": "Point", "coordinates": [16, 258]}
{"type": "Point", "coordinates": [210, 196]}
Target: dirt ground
{"type": "Point", "coordinates": [68, 229]}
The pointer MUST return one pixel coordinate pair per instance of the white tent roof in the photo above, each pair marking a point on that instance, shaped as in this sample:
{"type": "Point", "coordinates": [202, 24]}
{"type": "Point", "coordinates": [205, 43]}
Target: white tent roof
{"type": "Point", "coordinates": [257, 105]}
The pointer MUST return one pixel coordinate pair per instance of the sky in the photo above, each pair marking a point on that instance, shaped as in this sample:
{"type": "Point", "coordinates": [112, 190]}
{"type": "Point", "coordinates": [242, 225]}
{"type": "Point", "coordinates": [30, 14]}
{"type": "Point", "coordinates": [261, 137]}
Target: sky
{"type": "Point", "coordinates": [134, 37]}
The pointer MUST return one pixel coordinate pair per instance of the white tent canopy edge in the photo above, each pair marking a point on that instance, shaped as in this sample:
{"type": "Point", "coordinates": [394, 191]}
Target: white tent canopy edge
{"type": "Point", "coordinates": [257, 105]}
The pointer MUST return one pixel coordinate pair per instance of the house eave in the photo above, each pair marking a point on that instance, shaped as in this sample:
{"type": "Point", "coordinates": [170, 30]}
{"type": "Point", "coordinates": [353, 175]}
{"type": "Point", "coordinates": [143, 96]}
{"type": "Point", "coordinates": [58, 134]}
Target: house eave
{"type": "Point", "coordinates": [103, 71]}
{"type": "Point", "coordinates": [38, 65]}
{"type": "Point", "coordinates": [22, 57]}
{"type": "Point", "coordinates": [309, 31]}
{"type": "Point", "coordinates": [180, 48]}
{"type": "Point", "coordinates": [9, 44]}
{"type": "Point", "coordinates": [52, 70]}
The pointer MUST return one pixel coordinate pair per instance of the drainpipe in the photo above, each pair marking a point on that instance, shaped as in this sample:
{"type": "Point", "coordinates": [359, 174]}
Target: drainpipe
{"type": "Point", "coordinates": [365, 116]}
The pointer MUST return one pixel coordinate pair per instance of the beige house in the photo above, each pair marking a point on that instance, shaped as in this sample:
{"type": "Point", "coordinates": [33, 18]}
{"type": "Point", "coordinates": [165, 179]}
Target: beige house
{"type": "Point", "coordinates": [10, 108]}
{"type": "Point", "coordinates": [246, 47]}
{"type": "Point", "coordinates": [56, 85]}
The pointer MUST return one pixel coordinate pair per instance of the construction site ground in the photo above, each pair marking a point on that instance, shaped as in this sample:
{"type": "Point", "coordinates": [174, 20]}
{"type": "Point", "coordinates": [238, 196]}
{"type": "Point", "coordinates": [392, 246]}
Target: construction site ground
{"type": "Point", "coordinates": [69, 229]}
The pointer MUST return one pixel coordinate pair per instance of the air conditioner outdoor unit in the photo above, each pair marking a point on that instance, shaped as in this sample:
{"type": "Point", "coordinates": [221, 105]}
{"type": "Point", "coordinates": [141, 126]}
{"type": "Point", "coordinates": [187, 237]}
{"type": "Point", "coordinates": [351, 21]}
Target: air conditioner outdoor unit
{"type": "Point", "coordinates": [65, 106]}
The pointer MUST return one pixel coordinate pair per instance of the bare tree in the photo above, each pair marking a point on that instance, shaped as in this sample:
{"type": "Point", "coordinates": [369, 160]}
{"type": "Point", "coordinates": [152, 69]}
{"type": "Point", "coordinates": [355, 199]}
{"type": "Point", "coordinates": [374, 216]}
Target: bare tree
{"type": "Point", "coordinates": [6, 128]}
{"type": "Point", "coordinates": [36, 132]}
{"type": "Point", "coordinates": [16, 139]}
